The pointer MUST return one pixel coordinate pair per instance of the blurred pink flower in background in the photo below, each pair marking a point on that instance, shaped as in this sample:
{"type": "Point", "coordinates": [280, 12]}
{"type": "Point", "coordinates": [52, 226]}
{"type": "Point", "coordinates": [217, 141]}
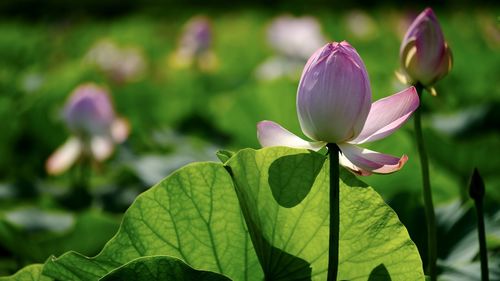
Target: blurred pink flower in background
{"type": "Point", "coordinates": [334, 106]}
{"type": "Point", "coordinates": [296, 37]}
{"type": "Point", "coordinates": [90, 117]}
{"type": "Point", "coordinates": [121, 64]}
{"type": "Point", "coordinates": [425, 56]}
{"type": "Point", "coordinates": [490, 29]}
{"type": "Point", "coordinates": [293, 39]}
{"type": "Point", "coordinates": [195, 46]}
{"type": "Point", "coordinates": [361, 25]}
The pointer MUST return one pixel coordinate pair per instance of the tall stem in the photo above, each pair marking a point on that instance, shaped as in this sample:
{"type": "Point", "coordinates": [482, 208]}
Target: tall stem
{"type": "Point", "coordinates": [426, 184]}
{"type": "Point", "coordinates": [482, 240]}
{"type": "Point", "coordinates": [333, 253]}
{"type": "Point", "coordinates": [79, 197]}
{"type": "Point", "coordinates": [476, 192]}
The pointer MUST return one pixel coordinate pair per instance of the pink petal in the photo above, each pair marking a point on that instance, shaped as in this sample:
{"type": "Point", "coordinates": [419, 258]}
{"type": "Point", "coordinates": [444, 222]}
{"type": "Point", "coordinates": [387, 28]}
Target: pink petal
{"type": "Point", "coordinates": [366, 161]}
{"type": "Point", "coordinates": [350, 166]}
{"type": "Point", "coordinates": [334, 95]}
{"type": "Point", "coordinates": [387, 115]}
{"type": "Point", "coordinates": [64, 157]}
{"type": "Point", "coordinates": [101, 147]}
{"type": "Point", "coordinates": [89, 110]}
{"type": "Point", "coordinates": [272, 134]}
{"type": "Point", "coordinates": [120, 130]}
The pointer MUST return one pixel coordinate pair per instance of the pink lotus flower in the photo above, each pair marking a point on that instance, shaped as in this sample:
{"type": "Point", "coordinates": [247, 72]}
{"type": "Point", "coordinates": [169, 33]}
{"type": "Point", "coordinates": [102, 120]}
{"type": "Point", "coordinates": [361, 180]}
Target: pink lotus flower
{"type": "Point", "coordinates": [425, 55]}
{"type": "Point", "coordinates": [90, 116]}
{"type": "Point", "coordinates": [334, 106]}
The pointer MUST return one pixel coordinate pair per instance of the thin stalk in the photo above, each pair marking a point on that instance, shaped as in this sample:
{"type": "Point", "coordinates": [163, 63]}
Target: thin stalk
{"type": "Point", "coordinates": [84, 173]}
{"type": "Point", "coordinates": [333, 253]}
{"type": "Point", "coordinates": [427, 192]}
{"type": "Point", "coordinates": [483, 254]}
{"type": "Point", "coordinates": [476, 192]}
{"type": "Point", "coordinates": [79, 197]}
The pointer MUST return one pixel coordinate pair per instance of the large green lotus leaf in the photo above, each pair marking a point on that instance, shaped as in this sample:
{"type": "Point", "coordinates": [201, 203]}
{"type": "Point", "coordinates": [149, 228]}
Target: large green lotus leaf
{"type": "Point", "coordinates": [290, 233]}
{"type": "Point", "coordinates": [161, 268]}
{"type": "Point", "coordinates": [192, 215]}
{"type": "Point", "coordinates": [28, 273]}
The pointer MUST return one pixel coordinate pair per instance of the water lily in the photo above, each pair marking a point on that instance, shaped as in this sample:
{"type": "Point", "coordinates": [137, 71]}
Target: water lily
{"type": "Point", "coordinates": [334, 106]}
{"type": "Point", "coordinates": [95, 128]}
{"type": "Point", "coordinates": [424, 54]}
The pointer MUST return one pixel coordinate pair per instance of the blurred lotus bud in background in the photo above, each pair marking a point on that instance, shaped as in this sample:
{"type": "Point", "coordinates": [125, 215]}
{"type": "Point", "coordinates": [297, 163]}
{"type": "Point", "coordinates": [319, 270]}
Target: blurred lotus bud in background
{"type": "Point", "coordinates": [120, 64]}
{"type": "Point", "coordinates": [425, 56]}
{"type": "Point", "coordinates": [361, 25]}
{"type": "Point", "coordinates": [195, 46]}
{"type": "Point", "coordinates": [293, 39]}
{"type": "Point", "coordinates": [90, 116]}
{"type": "Point", "coordinates": [197, 36]}
{"type": "Point", "coordinates": [31, 82]}
{"type": "Point", "coordinates": [89, 111]}
{"type": "Point", "coordinates": [490, 29]}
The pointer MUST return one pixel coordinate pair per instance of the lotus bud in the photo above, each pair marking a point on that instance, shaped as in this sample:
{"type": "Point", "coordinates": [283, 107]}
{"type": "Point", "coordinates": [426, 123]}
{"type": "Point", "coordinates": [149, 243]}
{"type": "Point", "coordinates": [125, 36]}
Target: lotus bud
{"type": "Point", "coordinates": [425, 55]}
{"type": "Point", "coordinates": [195, 46]}
{"type": "Point", "coordinates": [89, 111]}
{"type": "Point", "coordinates": [334, 95]}
{"type": "Point", "coordinates": [476, 186]}
{"type": "Point", "coordinates": [197, 37]}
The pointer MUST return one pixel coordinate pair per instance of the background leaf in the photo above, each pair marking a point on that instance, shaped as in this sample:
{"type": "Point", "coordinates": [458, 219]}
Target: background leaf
{"type": "Point", "coordinates": [28, 273]}
{"type": "Point", "coordinates": [46, 233]}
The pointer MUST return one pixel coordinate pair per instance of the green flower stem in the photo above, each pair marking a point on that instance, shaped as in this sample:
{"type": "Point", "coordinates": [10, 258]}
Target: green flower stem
{"type": "Point", "coordinates": [429, 207]}
{"type": "Point", "coordinates": [79, 197]}
{"type": "Point", "coordinates": [333, 253]}
{"type": "Point", "coordinates": [84, 173]}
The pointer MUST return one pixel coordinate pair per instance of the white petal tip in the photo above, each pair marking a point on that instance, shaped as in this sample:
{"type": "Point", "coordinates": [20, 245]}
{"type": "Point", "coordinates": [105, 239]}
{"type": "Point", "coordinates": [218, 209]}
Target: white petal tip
{"type": "Point", "coordinates": [102, 148]}
{"type": "Point", "coordinates": [64, 157]}
{"type": "Point", "coordinates": [120, 130]}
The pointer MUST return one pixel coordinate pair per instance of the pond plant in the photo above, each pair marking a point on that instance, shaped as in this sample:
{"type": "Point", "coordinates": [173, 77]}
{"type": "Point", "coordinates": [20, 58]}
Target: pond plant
{"type": "Point", "coordinates": [291, 210]}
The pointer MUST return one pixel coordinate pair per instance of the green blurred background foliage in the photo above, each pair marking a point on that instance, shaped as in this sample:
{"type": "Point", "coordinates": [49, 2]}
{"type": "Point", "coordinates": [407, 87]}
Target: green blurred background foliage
{"type": "Point", "coordinates": [178, 116]}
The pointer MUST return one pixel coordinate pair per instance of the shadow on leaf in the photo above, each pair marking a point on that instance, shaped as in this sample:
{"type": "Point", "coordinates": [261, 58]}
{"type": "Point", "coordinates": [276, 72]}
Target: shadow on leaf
{"type": "Point", "coordinates": [277, 264]}
{"type": "Point", "coordinates": [379, 273]}
{"type": "Point", "coordinates": [350, 179]}
{"type": "Point", "coordinates": [291, 177]}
